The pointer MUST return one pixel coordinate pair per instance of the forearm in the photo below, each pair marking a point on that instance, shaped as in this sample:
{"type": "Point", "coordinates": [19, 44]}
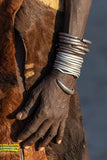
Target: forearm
{"type": "Point", "coordinates": [76, 16]}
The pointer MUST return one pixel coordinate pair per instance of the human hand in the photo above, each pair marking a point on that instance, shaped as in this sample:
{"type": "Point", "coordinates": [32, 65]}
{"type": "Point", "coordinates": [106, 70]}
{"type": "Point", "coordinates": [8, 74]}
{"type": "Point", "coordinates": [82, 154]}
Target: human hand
{"type": "Point", "coordinates": [50, 113]}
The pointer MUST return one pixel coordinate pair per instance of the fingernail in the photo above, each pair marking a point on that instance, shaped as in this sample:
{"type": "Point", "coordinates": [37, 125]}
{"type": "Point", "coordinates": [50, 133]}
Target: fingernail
{"type": "Point", "coordinates": [84, 146]}
{"type": "Point", "coordinates": [26, 147]}
{"type": "Point", "coordinates": [19, 115]}
{"type": "Point", "coordinates": [59, 141]}
{"type": "Point", "coordinates": [41, 149]}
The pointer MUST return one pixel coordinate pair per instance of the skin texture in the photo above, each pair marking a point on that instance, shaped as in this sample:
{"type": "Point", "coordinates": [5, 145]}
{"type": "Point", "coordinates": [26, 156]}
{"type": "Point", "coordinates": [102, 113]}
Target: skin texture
{"type": "Point", "coordinates": [50, 115]}
{"type": "Point", "coordinates": [53, 111]}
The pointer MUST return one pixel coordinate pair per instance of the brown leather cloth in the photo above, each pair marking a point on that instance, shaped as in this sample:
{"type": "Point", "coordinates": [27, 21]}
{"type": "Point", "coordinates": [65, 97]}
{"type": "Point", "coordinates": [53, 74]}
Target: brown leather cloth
{"type": "Point", "coordinates": [38, 26]}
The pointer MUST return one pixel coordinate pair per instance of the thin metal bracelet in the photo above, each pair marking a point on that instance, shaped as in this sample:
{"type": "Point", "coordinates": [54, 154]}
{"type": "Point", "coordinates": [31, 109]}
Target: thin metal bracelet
{"type": "Point", "coordinates": [69, 42]}
{"type": "Point", "coordinates": [66, 70]}
{"type": "Point", "coordinates": [67, 65]}
{"type": "Point", "coordinates": [75, 37]}
{"type": "Point", "coordinates": [83, 49]}
{"type": "Point", "coordinates": [64, 88]}
{"type": "Point", "coordinates": [74, 48]}
{"type": "Point", "coordinates": [73, 62]}
{"type": "Point", "coordinates": [69, 54]}
{"type": "Point", "coordinates": [69, 62]}
{"type": "Point", "coordinates": [74, 41]}
{"type": "Point", "coordinates": [70, 59]}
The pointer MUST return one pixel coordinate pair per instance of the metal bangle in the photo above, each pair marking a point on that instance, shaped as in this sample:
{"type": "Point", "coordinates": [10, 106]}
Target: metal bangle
{"type": "Point", "coordinates": [67, 65]}
{"type": "Point", "coordinates": [69, 62]}
{"type": "Point", "coordinates": [72, 51]}
{"type": "Point", "coordinates": [70, 55]}
{"type": "Point", "coordinates": [71, 59]}
{"type": "Point", "coordinates": [70, 48]}
{"type": "Point", "coordinates": [67, 70]}
{"type": "Point", "coordinates": [70, 42]}
{"type": "Point", "coordinates": [64, 88]}
{"type": "Point", "coordinates": [68, 35]}
{"type": "Point", "coordinates": [75, 37]}
{"type": "Point", "coordinates": [68, 58]}
{"type": "Point", "coordinates": [75, 41]}
{"type": "Point", "coordinates": [83, 49]}
{"type": "Point", "coordinates": [86, 41]}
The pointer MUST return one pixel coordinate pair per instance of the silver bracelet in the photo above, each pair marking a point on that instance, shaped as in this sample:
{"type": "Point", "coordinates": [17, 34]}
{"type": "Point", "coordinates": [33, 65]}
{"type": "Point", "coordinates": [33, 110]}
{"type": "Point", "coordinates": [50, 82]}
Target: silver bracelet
{"type": "Point", "coordinates": [68, 58]}
{"type": "Point", "coordinates": [75, 37]}
{"type": "Point", "coordinates": [71, 50]}
{"type": "Point", "coordinates": [74, 40]}
{"type": "Point", "coordinates": [75, 48]}
{"type": "Point", "coordinates": [64, 88]}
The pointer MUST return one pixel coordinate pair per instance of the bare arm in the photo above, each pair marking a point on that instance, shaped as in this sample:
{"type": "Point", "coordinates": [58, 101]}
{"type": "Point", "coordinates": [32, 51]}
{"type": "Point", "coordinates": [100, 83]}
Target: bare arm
{"type": "Point", "coordinates": [76, 15]}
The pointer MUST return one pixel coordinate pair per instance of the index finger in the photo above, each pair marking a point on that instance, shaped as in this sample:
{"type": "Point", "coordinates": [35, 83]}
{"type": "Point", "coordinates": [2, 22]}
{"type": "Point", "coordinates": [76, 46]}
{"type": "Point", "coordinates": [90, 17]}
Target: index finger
{"type": "Point", "coordinates": [31, 128]}
{"type": "Point", "coordinates": [29, 106]}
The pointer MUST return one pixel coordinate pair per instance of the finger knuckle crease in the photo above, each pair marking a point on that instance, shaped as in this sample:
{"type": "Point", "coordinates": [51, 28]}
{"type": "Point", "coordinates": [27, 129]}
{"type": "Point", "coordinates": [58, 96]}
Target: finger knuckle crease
{"type": "Point", "coordinates": [44, 113]}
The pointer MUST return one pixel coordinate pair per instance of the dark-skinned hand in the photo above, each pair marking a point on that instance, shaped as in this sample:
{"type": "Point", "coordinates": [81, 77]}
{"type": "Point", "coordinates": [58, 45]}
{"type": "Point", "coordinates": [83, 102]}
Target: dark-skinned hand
{"type": "Point", "coordinates": [49, 117]}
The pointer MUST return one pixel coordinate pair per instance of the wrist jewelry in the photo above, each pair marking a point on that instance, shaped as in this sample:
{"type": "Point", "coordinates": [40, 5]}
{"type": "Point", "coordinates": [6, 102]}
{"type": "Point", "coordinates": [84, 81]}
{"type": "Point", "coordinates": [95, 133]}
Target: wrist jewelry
{"type": "Point", "coordinates": [64, 88]}
{"type": "Point", "coordinates": [69, 54]}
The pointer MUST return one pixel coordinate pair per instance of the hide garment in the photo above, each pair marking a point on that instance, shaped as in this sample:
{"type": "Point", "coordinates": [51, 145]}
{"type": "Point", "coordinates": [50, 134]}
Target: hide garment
{"type": "Point", "coordinates": [38, 23]}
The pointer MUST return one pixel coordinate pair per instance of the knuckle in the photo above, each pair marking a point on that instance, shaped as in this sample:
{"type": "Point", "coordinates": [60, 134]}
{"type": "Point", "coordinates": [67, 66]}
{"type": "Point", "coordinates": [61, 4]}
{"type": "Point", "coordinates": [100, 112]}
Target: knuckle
{"type": "Point", "coordinates": [30, 128]}
{"type": "Point", "coordinates": [62, 127]}
{"type": "Point", "coordinates": [37, 135]}
{"type": "Point", "coordinates": [44, 112]}
{"type": "Point", "coordinates": [52, 134]}
{"type": "Point", "coordinates": [41, 134]}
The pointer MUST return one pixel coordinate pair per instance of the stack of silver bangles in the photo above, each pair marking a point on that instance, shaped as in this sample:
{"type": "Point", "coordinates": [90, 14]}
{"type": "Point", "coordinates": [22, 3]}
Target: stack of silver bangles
{"type": "Point", "coordinates": [69, 54]}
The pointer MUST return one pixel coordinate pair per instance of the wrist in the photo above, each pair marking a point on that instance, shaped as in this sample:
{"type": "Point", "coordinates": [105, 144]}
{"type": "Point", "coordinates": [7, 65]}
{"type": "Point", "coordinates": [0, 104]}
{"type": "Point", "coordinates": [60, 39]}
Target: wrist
{"type": "Point", "coordinates": [68, 58]}
{"type": "Point", "coordinates": [66, 79]}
